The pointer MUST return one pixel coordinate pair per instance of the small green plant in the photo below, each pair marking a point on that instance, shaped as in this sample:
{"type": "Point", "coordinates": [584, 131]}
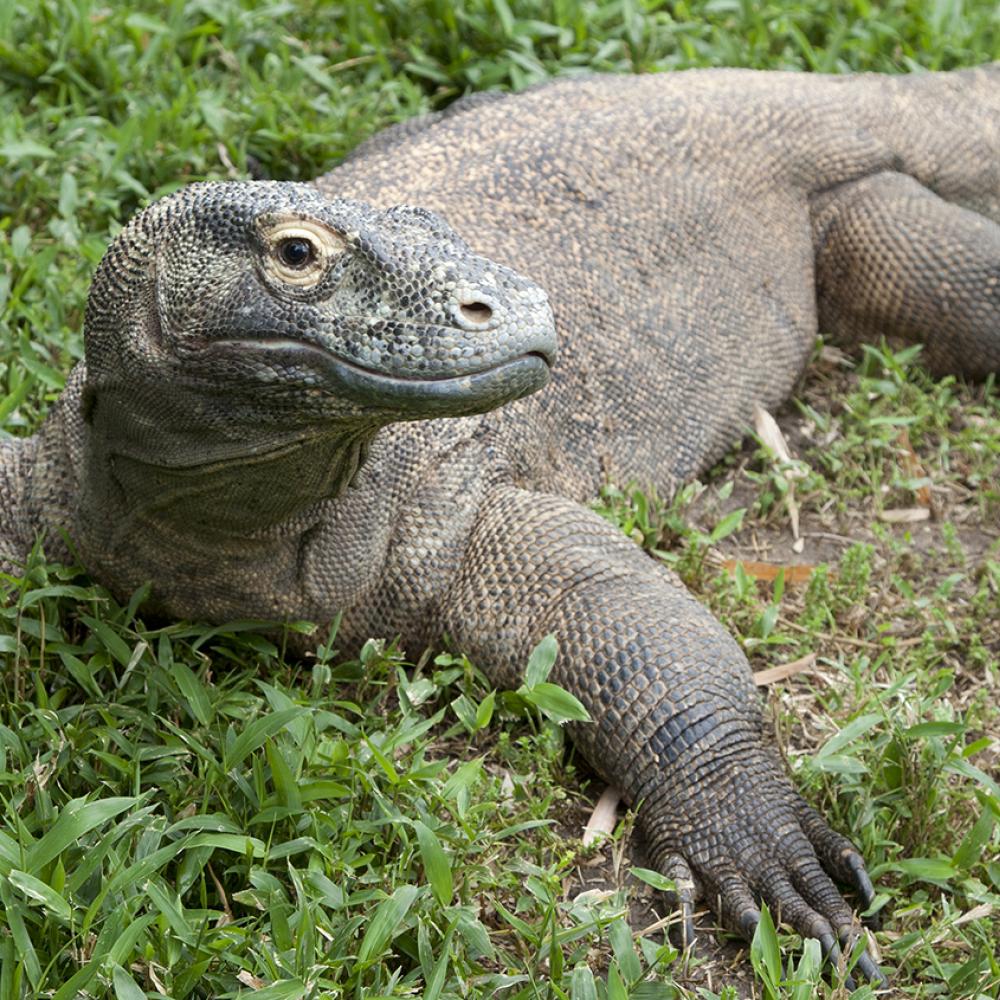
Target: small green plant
{"type": "Point", "coordinates": [662, 528]}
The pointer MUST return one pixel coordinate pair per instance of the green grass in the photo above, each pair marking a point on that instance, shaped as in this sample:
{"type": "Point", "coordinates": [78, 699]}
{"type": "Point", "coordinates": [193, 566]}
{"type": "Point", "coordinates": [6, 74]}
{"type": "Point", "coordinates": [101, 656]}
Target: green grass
{"type": "Point", "coordinates": [187, 812]}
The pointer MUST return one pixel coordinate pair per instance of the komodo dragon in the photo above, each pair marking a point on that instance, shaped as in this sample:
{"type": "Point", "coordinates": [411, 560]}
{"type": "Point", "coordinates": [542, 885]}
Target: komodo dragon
{"type": "Point", "coordinates": [242, 433]}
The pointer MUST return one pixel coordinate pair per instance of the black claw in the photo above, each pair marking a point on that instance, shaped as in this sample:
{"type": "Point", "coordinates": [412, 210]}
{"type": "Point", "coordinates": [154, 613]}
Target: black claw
{"type": "Point", "coordinates": [747, 923]}
{"type": "Point", "coordinates": [865, 889]}
{"type": "Point", "coordinates": [688, 929]}
{"type": "Point", "coordinates": [862, 882]}
{"type": "Point", "coordinates": [681, 897]}
{"type": "Point", "coordinates": [871, 970]}
{"type": "Point", "coordinates": [865, 963]}
{"type": "Point", "coordinates": [832, 951]}
{"type": "Point", "coordinates": [830, 947]}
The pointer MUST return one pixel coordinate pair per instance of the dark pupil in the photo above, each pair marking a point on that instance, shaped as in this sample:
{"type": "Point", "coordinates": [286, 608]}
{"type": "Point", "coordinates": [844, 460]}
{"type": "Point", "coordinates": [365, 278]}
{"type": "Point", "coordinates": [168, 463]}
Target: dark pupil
{"type": "Point", "coordinates": [296, 253]}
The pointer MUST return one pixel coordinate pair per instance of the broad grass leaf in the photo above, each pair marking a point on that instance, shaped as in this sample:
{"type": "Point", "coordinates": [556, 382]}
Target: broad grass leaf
{"type": "Point", "coordinates": [485, 711]}
{"type": "Point", "coordinates": [14, 910]}
{"type": "Point", "coordinates": [556, 703]}
{"type": "Point", "coordinates": [12, 401]}
{"type": "Point", "coordinates": [653, 990]}
{"type": "Point", "coordinates": [727, 525]}
{"type": "Point", "coordinates": [389, 914]}
{"type": "Point", "coordinates": [476, 937]}
{"type": "Point", "coordinates": [77, 818]}
{"type": "Point", "coordinates": [621, 944]}
{"type": "Point", "coordinates": [40, 892]}
{"type": "Point", "coordinates": [110, 639]}
{"type": "Point", "coordinates": [616, 985]}
{"type": "Point", "coordinates": [436, 865]}
{"type": "Point", "coordinates": [126, 987]}
{"type": "Point", "coordinates": [81, 673]}
{"type": "Point", "coordinates": [74, 987]}
{"type": "Point", "coordinates": [654, 878]}
{"type": "Point", "coordinates": [807, 972]}
{"type": "Point", "coordinates": [971, 848]}
{"type": "Point", "coordinates": [541, 661]}
{"type": "Point", "coordinates": [435, 981]}
{"type": "Point", "coordinates": [122, 947]}
{"type": "Point", "coordinates": [10, 853]}
{"type": "Point", "coordinates": [193, 691]}
{"type": "Point", "coordinates": [582, 985]}
{"type": "Point", "coordinates": [855, 728]}
{"type": "Point", "coordinates": [927, 869]}
{"type": "Point", "coordinates": [383, 762]}
{"type": "Point", "coordinates": [253, 737]}
{"type": "Point", "coordinates": [237, 843]}
{"type": "Point", "coordinates": [282, 777]}
{"type": "Point", "coordinates": [924, 730]}
{"type": "Point", "coordinates": [25, 149]}
{"type": "Point", "coordinates": [465, 777]}
{"type": "Point", "coordinates": [285, 989]}
{"type": "Point", "coordinates": [171, 911]}
{"type": "Point", "coordinates": [764, 952]}
{"type": "Point", "coordinates": [522, 927]}
{"type": "Point", "coordinates": [212, 822]}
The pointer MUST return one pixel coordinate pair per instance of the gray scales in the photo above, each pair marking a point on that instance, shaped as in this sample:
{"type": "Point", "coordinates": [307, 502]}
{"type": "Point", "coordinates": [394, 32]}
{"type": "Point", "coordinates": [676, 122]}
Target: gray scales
{"type": "Point", "coordinates": [255, 428]}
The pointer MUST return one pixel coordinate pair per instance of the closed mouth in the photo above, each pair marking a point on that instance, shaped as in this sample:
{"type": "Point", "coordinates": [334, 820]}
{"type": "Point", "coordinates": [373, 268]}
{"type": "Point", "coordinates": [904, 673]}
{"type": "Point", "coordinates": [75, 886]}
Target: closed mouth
{"type": "Point", "coordinates": [424, 393]}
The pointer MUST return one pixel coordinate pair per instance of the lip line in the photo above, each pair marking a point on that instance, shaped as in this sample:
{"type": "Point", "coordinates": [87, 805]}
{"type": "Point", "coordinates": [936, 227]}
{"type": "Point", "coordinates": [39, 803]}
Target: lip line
{"type": "Point", "coordinates": [280, 343]}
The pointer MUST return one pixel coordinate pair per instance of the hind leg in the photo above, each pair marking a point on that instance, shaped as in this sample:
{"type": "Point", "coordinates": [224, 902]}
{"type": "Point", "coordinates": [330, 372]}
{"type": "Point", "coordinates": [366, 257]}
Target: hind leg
{"type": "Point", "coordinates": [892, 258]}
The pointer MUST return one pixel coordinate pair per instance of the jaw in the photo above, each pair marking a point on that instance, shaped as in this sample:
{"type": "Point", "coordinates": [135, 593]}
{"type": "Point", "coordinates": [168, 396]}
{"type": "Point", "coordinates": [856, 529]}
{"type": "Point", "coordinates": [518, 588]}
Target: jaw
{"type": "Point", "coordinates": [363, 390]}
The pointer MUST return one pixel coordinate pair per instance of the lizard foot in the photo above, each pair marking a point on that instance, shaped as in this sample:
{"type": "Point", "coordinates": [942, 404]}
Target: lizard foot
{"type": "Point", "coordinates": [750, 837]}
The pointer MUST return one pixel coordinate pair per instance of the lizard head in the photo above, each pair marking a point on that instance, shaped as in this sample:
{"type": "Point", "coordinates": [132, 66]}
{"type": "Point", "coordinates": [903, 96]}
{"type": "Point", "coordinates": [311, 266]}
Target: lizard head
{"type": "Point", "coordinates": [246, 341]}
{"type": "Point", "coordinates": [306, 309]}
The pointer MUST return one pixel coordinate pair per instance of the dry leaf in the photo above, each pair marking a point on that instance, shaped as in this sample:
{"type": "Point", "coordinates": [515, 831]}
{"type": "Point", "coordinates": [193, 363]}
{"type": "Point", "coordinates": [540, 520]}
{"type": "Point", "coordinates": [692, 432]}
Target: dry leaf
{"type": "Point", "coordinates": [913, 468]}
{"type": "Point", "coordinates": [833, 356]}
{"type": "Point", "coordinates": [603, 818]}
{"type": "Point", "coordinates": [873, 948]}
{"type": "Point", "coordinates": [507, 786]}
{"type": "Point", "coordinates": [793, 515]}
{"type": "Point", "coordinates": [783, 670]}
{"type": "Point", "coordinates": [794, 573]}
{"type": "Point", "coordinates": [976, 913]}
{"type": "Point", "coordinates": [770, 434]}
{"type": "Point", "coordinates": [905, 515]}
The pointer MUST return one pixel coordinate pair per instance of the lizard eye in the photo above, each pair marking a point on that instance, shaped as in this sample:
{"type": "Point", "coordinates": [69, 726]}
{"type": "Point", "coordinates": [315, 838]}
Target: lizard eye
{"type": "Point", "coordinates": [296, 252]}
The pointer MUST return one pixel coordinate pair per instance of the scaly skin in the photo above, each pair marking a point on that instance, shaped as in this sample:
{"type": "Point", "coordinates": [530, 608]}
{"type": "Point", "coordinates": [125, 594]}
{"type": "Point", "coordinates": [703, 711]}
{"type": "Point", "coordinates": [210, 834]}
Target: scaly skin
{"type": "Point", "coordinates": [242, 434]}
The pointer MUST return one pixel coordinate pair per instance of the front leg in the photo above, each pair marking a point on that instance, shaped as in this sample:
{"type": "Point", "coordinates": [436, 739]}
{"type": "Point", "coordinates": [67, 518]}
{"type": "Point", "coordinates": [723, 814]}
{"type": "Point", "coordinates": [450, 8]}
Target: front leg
{"type": "Point", "coordinates": [676, 726]}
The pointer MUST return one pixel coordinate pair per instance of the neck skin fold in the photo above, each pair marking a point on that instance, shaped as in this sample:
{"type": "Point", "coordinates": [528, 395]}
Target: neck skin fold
{"type": "Point", "coordinates": [155, 476]}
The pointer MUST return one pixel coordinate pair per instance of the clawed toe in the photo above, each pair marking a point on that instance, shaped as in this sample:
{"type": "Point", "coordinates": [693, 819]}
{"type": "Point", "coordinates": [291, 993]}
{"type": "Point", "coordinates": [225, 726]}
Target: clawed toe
{"type": "Point", "coordinates": [865, 964]}
{"type": "Point", "coordinates": [870, 968]}
{"type": "Point", "coordinates": [747, 922]}
{"type": "Point", "coordinates": [683, 896]}
{"type": "Point", "coordinates": [859, 877]}
{"type": "Point", "coordinates": [862, 883]}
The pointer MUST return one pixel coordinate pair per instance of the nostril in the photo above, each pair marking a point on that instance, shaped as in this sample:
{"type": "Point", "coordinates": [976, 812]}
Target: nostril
{"type": "Point", "coordinates": [476, 312]}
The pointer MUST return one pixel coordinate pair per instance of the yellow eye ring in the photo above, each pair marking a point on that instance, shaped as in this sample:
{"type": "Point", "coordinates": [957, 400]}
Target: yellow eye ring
{"type": "Point", "coordinates": [300, 249]}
